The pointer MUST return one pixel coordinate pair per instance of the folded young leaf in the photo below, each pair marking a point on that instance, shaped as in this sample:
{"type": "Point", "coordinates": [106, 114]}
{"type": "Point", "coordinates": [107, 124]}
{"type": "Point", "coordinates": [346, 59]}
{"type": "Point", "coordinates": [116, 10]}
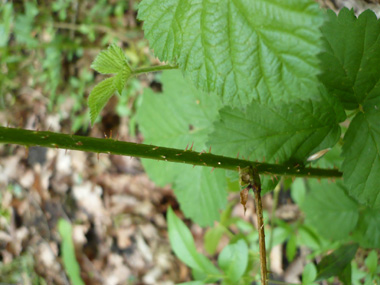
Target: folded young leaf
{"type": "Point", "coordinates": [241, 49]}
{"type": "Point", "coordinates": [99, 97]}
{"type": "Point", "coordinates": [361, 152]}
{"type": "Point", "coordinates": [121, 78]}
{"type": "Point", "coordinates": [110, 61]}
{"type": "Point", "coordinates": [180, 117]}
{"type": "Point", "coordinates": [351, 57]}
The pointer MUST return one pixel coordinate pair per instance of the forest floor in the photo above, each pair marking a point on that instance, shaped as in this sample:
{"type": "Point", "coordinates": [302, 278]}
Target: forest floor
{"type": "Point", "coordinates": [118, 215]}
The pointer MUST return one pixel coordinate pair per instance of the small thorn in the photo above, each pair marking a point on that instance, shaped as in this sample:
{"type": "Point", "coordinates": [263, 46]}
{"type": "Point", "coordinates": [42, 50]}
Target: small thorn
{"type": "Point", "coordinates": [243, 157]}
{"type": "Point", "coordinates": [209, 150]}
{"type": "Point", "coordinates": [264, 158]}
{"type": "Point", "coordinates": [237, 156]}
{"type": "Point", "coordinates": [110, 134]}
{"type": "Point", "coordinates": [319, 180]}
{"type": "Point", "coordinates": [193, 165]}
{"type": "Point", "coordinates": [178, 154]}
{"type": "Point", "coordinates": [276, 177]}
{"type": "Point", "coordinates": [186, 147]}
{"type": "Point", "coordinates": [191, 148]}
{"type": "Point", "coordinates": [212, 169]}
{"type": "Point", "coordinates": [204, 163]}
{"type": "Point", "coordinates": [155, 148]}
{"type": "Point", "coordinates": [293, 178]}
{"type": "Point", "coordinates": [272, 179]}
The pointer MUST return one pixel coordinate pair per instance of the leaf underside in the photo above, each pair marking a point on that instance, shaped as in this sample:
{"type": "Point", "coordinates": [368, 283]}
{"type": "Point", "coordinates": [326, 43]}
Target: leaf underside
{"type": "Point", "coordinates": [284, 132]}
{"type": "Point", "coordinates": [240, 49]}
{"type": "Point", "coordinates": [331, 219]}
{"type": "Point", "coordinates": [179, 117]}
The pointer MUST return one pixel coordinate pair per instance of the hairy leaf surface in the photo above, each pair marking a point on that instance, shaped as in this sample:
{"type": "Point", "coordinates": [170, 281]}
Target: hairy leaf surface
{"type": "Point", "coordinates": [361, 151]}
{"type": "Point", "coordinates": [241, 49]}
{"type": "Point", "coordinates": [110, 61]}
{"type": "Point", "coordinates": [351, 57]}
{"type": "Point", "coordinates": [286, 132]}
{"type": "Point", "coordinates": [180, 117]}
{"type": "Point", "coordinates": [99, 97]}
{"type": "Point", "coordinates": [330, 210]}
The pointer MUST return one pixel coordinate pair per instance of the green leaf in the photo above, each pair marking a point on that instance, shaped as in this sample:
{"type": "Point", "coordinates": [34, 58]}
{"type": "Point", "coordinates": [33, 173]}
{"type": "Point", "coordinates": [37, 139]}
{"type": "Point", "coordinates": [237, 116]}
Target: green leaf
{"type": "Point", "coordinates": [284, 132]}
{"type": "Point", "coordinates": [309, 273]}
{"type": "Point", "coordinates": [212, 238]}
{"type": "Point", "coordinates": [99, 97]}
{"type": "Point", "coordinates": [68, 253]}
{"type": "Point", "coordinates": [298, 191]}
{"type": "Point", "coordinates": [110, 61]}
{"type": "Point", "coordinates": [202, 194]}
{"type": "Point", "coordinates": [367, 232]}
{"type": "Point", "coordinates": [241, 49]}
{"type": "Point", "coordinates": [346, 275]}
{"type": "Point", "coordinates": [351, 57]}
{"type": "Point", "coordinates": [183, 245]}
{"type": "Point", "coordinates": [121, 79]}
{"type": "Point", "coordinates": [291, 248]}
{"type": "Point", "coordinates": [361, 151]}
{"type": "Point", "coordinates": [371, 262]}
{"type": "Point", "coordinates": [6, 12]}
{"type": "Point", "coordinates": [334, 263]}
{"type": "Point", "coordinates": [182, 116]}
{"type": "Point", "coordinates": [330, 210]}
{"type": "Point", "coordinates": [233, 260]}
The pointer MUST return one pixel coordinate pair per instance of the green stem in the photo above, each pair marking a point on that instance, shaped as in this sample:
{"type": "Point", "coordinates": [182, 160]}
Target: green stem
{"type": "Point", "coordinates": [153, 69]}
{"type": "Point", "coordinates": [111, 146]}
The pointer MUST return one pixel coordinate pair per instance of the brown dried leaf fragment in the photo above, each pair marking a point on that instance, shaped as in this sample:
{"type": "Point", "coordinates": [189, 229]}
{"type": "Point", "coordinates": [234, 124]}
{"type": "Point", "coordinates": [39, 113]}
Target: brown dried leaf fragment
{"type": "Point", "coordinates": [244, 197]}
